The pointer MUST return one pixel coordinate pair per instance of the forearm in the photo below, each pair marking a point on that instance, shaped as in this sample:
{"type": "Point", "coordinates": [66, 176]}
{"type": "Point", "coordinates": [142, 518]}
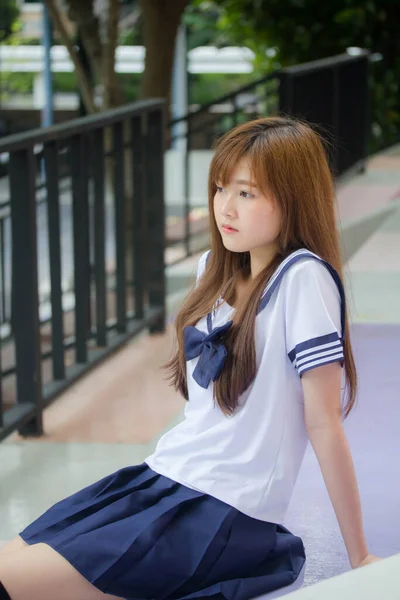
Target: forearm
{"type": "Point", "coordinates": [334, 457]}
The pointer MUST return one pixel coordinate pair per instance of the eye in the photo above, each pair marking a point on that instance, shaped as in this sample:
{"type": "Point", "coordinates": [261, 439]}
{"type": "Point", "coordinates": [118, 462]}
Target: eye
{"type": "Point", "coordinates": [219, 189]}
{"type": "Point", "coordinates": [246, 195]}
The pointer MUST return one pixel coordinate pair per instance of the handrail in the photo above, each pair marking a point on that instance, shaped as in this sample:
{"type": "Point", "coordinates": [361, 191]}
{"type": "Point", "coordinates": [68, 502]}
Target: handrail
{"type": "Point", "coordinates": [322, 63]}
{"type": "Point", "coordinates": [79, 125]}
{"type": "Point", "coordinates": [230, 96]}
{"type": "Point", "coordinates": [310, 66]}
{"type": "Point", "coordinates": [110, 302]}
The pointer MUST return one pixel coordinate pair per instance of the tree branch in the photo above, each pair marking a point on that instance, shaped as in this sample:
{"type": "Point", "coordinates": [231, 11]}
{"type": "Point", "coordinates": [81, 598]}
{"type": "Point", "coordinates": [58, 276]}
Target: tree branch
{"type": "Point", "coordinates": [82, 13]}
{"type": "Point", "coordinates": [83, 81]}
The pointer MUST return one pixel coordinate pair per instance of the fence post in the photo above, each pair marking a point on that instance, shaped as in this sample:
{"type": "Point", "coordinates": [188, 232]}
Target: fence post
{"type": "Point", "coordinates": [120, 223]}
{"type": "Point", "coordinates": [138, 203]}
{"type": "Point", "coordinates": [98, 167]}
{"type": "Point", "coordinates": [80, 234]}
{"type": "Point", "coordinates": [334, 154]}
{"type": "Point", "coordinates": [53, 216]}
{"type": "Point", "coordinates": [285, 93]}
{"type": "Point", "coordinates": [25, 309]}
{"type": "Point", "coordinates": [156, 216]}
{"type": "Point", "coordinates": [365, 66]}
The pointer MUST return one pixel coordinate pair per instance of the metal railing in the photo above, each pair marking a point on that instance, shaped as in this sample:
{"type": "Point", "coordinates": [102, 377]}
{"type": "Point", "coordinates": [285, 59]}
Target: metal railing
{"type": "Point", "coordinates": [113, 164]}
{"type": "Point", "coordinates": [84, 234]}
{"type": "Point", "coordinates": [332, 94]}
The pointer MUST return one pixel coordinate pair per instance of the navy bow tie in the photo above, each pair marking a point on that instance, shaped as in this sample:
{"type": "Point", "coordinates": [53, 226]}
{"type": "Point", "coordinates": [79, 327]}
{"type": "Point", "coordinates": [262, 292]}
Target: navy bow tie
{"type": "Point", "coordinates": [211, 350]}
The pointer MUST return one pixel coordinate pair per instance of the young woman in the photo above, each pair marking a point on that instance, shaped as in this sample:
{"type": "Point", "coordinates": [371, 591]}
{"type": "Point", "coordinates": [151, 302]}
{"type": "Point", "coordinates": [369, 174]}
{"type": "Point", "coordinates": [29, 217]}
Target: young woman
{"type": "Point", "coordinates": [262, 344]}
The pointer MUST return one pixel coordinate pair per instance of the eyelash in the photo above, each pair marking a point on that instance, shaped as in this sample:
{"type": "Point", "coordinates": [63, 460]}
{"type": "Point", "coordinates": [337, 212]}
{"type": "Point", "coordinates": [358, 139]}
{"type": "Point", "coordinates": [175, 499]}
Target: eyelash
{"type": "Point", "coordinates": [247, 197]}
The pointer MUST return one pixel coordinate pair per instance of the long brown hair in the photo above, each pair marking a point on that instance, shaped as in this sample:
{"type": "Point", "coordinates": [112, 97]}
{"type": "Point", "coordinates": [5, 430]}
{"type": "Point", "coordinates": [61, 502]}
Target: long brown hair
{"type": "Point", "coordinates": [287, 159]}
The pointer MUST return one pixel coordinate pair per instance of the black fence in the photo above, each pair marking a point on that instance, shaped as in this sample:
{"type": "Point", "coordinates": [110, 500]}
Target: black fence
{"type": "Point", "coordinates": [332, 94]}
{"type": "Point", "coordinates": [89, 194]}
{"type": "Point", "coordinates": [85, 234]}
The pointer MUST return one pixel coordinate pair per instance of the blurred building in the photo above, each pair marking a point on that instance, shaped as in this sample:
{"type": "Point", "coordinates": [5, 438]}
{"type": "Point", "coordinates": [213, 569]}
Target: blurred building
{"type": "Point", "coordinates": [31, 16]}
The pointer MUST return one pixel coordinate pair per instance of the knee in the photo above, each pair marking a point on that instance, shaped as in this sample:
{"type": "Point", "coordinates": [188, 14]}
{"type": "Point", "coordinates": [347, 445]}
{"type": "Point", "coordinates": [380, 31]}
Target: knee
{"type": "Point", "coordinates": [15, 545]}
{"type": "Point", "coordinates": [3, 593]}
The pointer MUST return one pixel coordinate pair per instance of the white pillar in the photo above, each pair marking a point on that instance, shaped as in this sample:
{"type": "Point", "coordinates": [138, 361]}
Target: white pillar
{"type": "Point", "coordinates": [175, 158]}
{"type": "Point", "coordinates": [179, 95]}
{"type": "Point", "coordinates": [38, 91]}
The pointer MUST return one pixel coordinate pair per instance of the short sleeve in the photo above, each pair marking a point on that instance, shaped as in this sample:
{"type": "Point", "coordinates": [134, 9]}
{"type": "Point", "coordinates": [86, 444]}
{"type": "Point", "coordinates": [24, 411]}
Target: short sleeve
{"type": "Point", "coordinates": [312, 317]}
{"type": "Point", "coordinates": [201, 266]}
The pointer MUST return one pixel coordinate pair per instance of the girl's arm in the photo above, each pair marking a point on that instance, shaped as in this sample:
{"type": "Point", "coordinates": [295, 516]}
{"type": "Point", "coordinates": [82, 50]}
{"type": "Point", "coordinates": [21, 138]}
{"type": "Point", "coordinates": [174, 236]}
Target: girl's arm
{"type": "Point", "coordinates": [322, 402]}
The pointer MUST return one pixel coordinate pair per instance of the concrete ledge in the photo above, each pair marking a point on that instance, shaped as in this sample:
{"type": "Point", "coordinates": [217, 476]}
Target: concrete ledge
{"type": "Point", "coordinates": [356, 233]}
{"type": "Point", "coordinates": [379, 580]}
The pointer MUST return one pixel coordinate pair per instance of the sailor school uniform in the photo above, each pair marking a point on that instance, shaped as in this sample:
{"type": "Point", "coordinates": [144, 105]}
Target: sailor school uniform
{"type": "Point", "coordinates": [202, 515]}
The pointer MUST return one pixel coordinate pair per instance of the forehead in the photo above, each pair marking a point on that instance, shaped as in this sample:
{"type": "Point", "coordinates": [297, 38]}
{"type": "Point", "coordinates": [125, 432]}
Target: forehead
{"type": "Point", "coordinates": [239, 171]}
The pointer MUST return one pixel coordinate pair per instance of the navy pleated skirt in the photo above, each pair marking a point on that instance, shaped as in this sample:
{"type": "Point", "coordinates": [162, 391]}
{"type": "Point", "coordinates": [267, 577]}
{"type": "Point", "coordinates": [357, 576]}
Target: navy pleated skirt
{"type": "Point", "coordinates": [139, 535]}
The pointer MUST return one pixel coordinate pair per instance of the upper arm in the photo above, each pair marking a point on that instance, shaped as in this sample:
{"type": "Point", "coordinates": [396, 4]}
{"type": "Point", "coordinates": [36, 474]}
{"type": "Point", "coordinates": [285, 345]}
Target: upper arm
{"type": "Point", "coordinates": [313, 327]}
{"type": "Point", "coordinates": [314, 342]}
{"type": "Point", "coordinates": [322, 396]}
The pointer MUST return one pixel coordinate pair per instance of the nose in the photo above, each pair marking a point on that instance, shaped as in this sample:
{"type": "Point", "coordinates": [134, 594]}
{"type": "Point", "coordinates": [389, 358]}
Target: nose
{"type": "Point", "coordinates": [228, 208]}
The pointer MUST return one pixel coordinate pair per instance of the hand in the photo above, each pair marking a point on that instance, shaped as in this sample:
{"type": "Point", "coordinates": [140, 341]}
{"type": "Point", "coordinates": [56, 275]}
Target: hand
{"type": "Point", "coordinates": [368, 560]}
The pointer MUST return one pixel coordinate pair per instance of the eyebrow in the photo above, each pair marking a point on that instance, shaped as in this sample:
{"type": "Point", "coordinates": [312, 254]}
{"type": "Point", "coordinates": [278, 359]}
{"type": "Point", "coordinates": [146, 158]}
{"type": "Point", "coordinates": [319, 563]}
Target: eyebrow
{"type": "Point", "coordinates": [244, 182]}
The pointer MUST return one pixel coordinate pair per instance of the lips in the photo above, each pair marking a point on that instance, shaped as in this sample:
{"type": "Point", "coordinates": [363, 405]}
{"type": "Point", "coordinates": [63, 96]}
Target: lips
{"type": "Point", "coordinates": [228, 227]}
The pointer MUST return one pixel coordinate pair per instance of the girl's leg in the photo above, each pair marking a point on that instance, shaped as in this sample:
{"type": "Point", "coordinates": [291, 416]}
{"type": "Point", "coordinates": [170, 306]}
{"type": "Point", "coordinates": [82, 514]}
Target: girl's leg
{"type": "Point", "coordinates": [16, 545]}
{"type": "Point", "coordinates": [40, 573]}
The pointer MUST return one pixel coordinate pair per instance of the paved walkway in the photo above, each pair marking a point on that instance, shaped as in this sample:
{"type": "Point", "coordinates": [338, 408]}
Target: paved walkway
{"type": "Point", "coordinates": [373, 274]}
{"type": "Point", "coordinates": [114, 416]}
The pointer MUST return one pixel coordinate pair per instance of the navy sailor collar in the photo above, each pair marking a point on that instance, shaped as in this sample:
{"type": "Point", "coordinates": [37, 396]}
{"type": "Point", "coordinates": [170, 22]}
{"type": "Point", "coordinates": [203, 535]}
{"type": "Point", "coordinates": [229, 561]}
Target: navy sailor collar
{"type": "Point", "coordinates": [277, 277]}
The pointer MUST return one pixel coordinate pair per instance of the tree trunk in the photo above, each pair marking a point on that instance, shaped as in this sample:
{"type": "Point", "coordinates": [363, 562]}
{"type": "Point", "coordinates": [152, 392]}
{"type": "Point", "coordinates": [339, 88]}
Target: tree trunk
{"type": "Point", "coordinates": [82, 13]}
{"type": "Point", "coordinates": [161, 19]}
{"type": "Point", "coordinates": [112, 89]}
{"type": "Point", "coordinates": [83, 81]}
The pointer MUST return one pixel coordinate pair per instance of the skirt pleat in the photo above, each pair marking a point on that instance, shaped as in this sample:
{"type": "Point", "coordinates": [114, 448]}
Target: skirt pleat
{"type": "Point", "coordinates": [139, 535]}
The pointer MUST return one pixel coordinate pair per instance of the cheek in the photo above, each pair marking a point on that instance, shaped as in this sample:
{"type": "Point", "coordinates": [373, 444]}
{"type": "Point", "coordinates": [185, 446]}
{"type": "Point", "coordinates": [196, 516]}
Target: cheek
{"type": "Point", "coordinates": [259, 213]}
{"type": "Point", "coordinates": [215, 204]}
{"type": "Point", "coordinates": [276, 220]}
{"type": "Point", "coordinates": [266, 220]}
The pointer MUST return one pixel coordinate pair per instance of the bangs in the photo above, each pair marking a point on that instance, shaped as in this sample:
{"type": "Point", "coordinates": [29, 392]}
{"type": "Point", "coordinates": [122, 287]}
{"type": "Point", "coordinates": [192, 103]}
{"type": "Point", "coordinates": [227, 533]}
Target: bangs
{"type": "Point", "coordinates": [226, 157]}
{"type": "Point", "coordinates": [228, 154]}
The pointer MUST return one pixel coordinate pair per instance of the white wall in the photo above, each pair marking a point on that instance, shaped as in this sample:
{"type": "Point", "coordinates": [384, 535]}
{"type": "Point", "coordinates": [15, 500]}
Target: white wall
{"type": "Point", "coordinates": [199, 162]}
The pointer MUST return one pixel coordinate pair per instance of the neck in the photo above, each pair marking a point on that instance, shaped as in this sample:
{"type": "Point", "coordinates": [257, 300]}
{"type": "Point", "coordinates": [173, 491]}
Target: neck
{"type": "Point", "coordinates": [260, 258]}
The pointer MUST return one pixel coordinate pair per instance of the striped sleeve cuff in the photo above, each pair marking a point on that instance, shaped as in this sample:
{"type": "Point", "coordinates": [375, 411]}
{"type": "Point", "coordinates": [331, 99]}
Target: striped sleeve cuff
{"type": "Point", "coordinates": [316, 352]}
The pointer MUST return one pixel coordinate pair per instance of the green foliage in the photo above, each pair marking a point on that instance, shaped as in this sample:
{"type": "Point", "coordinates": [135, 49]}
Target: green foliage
{"type": "Point", "coordinates": [130, 85]}
{"type": "Point", "coordinates": [206, 87]}
{"type": "Point", "coordinates": [16, 83]}
{"type": "Point", "coordinates": [201, 20]}
{"type": "Point", "coordinates": [22, 83]}
{"type": "Point", "coordinates": [65, 82]}
{"type": "Point", "coordinates": [133, 36]}
{"type": "Point", "coordinates": [8, 15]}
{"type": "Point", "coordinates": [385, 88]}
{"type": "Point", "coordinates": [304, 30]}
{"type": "Point", "coordinates": [30, 41]}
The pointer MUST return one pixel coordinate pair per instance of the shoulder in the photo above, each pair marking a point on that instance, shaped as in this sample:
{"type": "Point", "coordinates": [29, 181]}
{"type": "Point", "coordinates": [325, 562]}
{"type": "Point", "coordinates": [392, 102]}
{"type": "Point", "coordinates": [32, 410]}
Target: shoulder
{"type": "Point", "coordinates": [311, 286]}
{"type": "Point", "coordinates": [303, 268]}
{"type": "Point", "coordinates": [310, 273]}
{"type": "Point", "coordinates": [309, 270]}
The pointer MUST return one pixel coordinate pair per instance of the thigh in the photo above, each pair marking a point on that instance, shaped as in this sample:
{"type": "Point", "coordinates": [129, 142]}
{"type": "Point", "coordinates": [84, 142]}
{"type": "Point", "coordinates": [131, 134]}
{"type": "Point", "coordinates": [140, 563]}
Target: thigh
{"type": "Point", "coordinates": [40, 573]}
{"type": "Point", "coordinates": [16, 545]}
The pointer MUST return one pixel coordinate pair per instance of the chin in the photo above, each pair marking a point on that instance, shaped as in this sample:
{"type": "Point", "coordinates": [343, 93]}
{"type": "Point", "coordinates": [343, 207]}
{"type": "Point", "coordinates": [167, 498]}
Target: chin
{"type": "Point", "coordinates": [233, 246]}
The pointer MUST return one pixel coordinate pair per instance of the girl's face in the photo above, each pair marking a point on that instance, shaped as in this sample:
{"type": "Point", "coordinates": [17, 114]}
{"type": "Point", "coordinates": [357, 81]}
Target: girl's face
{"type": "Point", "coordinates": [247, 220]}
